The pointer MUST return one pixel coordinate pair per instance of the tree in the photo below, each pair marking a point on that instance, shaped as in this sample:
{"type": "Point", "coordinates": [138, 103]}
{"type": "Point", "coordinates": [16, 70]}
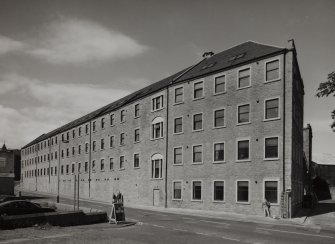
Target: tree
{"type": "Point", "coordinates": [327, 88]}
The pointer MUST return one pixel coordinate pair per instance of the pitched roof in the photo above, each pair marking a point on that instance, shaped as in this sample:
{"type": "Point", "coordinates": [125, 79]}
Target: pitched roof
{"type": "Point", "coordinates": [237, 55]}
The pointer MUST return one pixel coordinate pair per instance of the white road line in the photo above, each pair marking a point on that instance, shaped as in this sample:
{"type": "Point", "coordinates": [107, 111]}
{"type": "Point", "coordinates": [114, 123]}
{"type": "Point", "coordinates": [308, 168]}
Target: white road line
{"type": "Point", "coordinates": [229, 238]}
{"type": "Point", "coordinates": [200, 233]}
{"type": "Point", "coordinates": [159, 226]}
{"type": "Point", "coordinates": [297, 233]}
{"type": "Point", "coordinates": [214, 222]}
{"type": "Point", "coordinates": [180, 230]}
{"type": "Point", "coordinates": [188, 218]}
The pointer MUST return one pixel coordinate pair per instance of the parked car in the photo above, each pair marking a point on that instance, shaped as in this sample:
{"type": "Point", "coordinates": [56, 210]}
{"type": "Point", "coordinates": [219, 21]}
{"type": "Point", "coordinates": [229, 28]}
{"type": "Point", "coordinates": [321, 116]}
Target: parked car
{"type": "Point", "coordinates": [18, 207]}
{"type": "Point", "coordinates": [6, 198]}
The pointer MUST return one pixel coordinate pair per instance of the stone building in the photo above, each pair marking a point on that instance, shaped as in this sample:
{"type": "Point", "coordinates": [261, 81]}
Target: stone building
{"type": "Point", "coordinates": [222, 134]}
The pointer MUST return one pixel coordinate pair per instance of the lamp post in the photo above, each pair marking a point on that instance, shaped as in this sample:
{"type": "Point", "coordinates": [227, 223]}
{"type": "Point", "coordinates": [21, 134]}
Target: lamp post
{"type": "Point", "coordinates": [58, 173]}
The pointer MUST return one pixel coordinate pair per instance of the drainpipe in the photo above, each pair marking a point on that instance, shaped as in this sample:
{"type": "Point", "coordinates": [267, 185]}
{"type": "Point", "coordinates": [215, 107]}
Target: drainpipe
{"type": "Point", "coordinates": [167, 142]}
{"type": "Point", "coordinates": [89, 162]}
{"type": "Point", "coordinates": [284, 117]}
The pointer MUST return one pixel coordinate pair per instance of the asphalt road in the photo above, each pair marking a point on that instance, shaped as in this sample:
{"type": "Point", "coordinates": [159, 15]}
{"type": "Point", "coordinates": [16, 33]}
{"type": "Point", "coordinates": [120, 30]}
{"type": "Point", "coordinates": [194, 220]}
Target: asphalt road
{"type": "Point", "coordinates": [157, 227]}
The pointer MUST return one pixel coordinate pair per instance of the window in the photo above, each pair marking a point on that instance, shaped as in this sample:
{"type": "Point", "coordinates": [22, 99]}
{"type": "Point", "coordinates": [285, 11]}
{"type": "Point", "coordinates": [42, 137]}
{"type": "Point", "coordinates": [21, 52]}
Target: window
{"type": "Point", "coordinates": [86, 129]}
{"type": "Point", "coordinates": [67, 169]}
{"type": "Point", "coordinates": [219, 120]}
{"type": "Point", "coordinates": [79, 168]}
{"type": "Point", "coordinates": [86, 147]}
{"type": "Point", "coordinates": [111, 164]}
{"type": "Point", "coordinates": [73, 133]}
{"type": "Point", "coordinates": [137, 110]}
{"type": "Point", "coordinates": [218, 191]}
{"type": "Point", "coordinates": [243, 78]}
{"type": "Point", "coordinates": [56, 140]}
{"type": "Point", "coordinates": [121, 162]}
{"type": "Point", "coordinates": [67, 153]}
{"type": "Point", "coordinates": [196, 190]}
{"type": "Point", "coordinates": [156, 166]}
{"type": "Point", "coordinates": [178, 156]}
{"type": "Point", "coordinates": [112, 119]}
{"type": "Point", "coordinates": [179, 95]}
{"type": "Point", "coordinates": [86, 167]}
{"type": "Point", "coordinates": [176, 190]}
{"type": "Point", "coordinates": [102, 165]}
{"type": "Point", "coordinates": [94, 126]}
{"type": "Point", "coordinates": [197, 122]}
{"type": "Point", "coordinates": [197, 154]}
{"type": "Point", "coordinates": [271, 191]}
{"type": "Point", "coordinates": [79, 131]}
{"type": "Point", "coordinates": [94, 147]}
{"type": "Point", "coordinates": [123, 116]}
{"type": "Point", "coordinates": [102, 144]}
{"type": "Point", "coordinates": [272, 109]}
{"type": "Point", "coordinates": [243, 149]}
{"type": "Point", "coordinates": [136, 160]}
{"type": "Point", "coordinates": [102, 123]}
{"type": "Point", "coordinates": [79, 149]}
{"type": "Point", "coordinates": [157, 103]}
{"type": "Point", "coordinates": [219, 152]}
{"type": "Point", "coordinates": [93, 165]}
{"type": "Point", "coordinates": [243, 114]}
{"type": "Point", "coordinates": [219, 84]}
{"type": "Point", "coordinates": [67, 138]}
{"type": "Point", "coordinates": [55, 170]}
{"type": "Point", "coordinates": [73, 151]}
{"type": "Point", "coordinates": [62, 154]}
{"type": "Point", "coordinates": [62, 169]}
{"type": "Point", "coordinates": [271, 147]}
{"type": "Point", "coordinates": [198, 90]}
{"type": "Point", "coordinates": [242, 191]}
{"type": "Point", "coordinates": [137, 135]}
{"type": "Point", "coordinates": [157, 128]}
{"type": "Point", "coordinates": [72, 168]}
{"type": "Point", "coordinates": [272, 70]}
{"type": "Point", "coordinates": [55, 155]}
{"type": "Point", "coordinates": [122, 139]}
{"type": "Point", "coordinates": [111, 141]}
{"type": "Point", "coordinates": [178, 125]}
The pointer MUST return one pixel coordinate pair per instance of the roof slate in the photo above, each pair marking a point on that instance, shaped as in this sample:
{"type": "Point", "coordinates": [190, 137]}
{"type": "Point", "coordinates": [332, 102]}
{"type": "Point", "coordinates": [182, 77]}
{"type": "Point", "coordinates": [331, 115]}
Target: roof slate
{"type": "Point", "coordinates": [236, 55]}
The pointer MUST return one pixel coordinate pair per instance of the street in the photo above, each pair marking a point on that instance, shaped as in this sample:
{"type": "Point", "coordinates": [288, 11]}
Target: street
{"type": "Point", "coordinates": [156, 227]}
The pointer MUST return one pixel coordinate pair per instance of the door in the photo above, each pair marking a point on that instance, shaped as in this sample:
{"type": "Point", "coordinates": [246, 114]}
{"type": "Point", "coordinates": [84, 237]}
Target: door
{"type": "Point", "coordinates": [156, 197]}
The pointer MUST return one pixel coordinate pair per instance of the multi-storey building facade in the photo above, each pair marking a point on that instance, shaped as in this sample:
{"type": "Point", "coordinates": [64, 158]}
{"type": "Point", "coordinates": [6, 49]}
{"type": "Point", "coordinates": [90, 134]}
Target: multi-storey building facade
{"type": "Point", "coordinates": [223, 134]}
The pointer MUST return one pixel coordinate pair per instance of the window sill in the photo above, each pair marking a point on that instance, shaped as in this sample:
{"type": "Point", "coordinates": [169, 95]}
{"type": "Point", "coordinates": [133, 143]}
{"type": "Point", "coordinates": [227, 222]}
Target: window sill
{"type": "Point", "coordinates": [178, 133]}
{"type": "Point", "coordinates": [156, 178]}
{"type": "Point", "coordinates": [243, 203]}
{"type": "Point", "coordinates": [198, 130]}
{"type": "Point", "coordinates": [197, 163]}
{"type": "Point", "coordinates": [199, 98]}
{"type": "Point", "coordinates": [156, 110]}
{"type": "Point", "coordinates": [155, 139]}
{"type": "Point", "coordinates": [241, 88]}
{"type": "Point", "coordinates": [219, 93]}
{"type": "Point", "coordinates": [218, 201]}
{"type": "Point", "coordinates": [179, 200]}
{"type": "Point", "coordinates": [194, 200]}
{"type": "Point", "coordinates": [175, 104]}
{"type": "Point", "coordinates": [272, 119]}
{"type": "Point", "coordinates": [136, 117]}
{"type": "Point", "coordinates": [177, 164]}
{"type": "Point", "coordinates": [102, 149]}
{"type": "Point", "coordinates": [243, 161]}
{"type": "Point", "coordinates": [219, 162]}
{"type": "Point", "coordinates": [112, 125]}
{"type": "Point", "coordinates": [136, 167]}
{"type": "Point", "coordinates": [121, 169]}
{"type": "Point", "coordinates": [102, 170]}
{"type": "Point", "coordinates": [219, 127]}
{"type": "Point", "coordinates": [246, 123]}
{"type": "Point", "coordinates": [122, 122]}
{"type": "Point", "coordinates": [135, 142]}
{"type": "Point", "coordinates": [122, 145]}
{"type": "Point", "coordinates": [270, 159]}
{"type": "Point", "coordinates": [274, 80]}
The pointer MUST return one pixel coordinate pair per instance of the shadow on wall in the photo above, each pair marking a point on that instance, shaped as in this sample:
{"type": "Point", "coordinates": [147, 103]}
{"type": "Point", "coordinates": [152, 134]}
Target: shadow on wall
{"type": "Point", "coordinates": [321, 188]}
{"type": "Point", "coordinates": [326, 206]}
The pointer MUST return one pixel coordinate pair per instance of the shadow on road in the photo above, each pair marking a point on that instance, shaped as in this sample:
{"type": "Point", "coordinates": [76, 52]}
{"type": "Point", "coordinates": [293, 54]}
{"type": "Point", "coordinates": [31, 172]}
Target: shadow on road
{"type": "Point", "coordinates": [324, 207]}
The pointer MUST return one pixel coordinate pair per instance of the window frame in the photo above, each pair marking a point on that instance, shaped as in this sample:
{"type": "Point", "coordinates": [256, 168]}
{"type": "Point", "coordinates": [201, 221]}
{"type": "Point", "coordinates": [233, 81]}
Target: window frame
{"type": "Point", "coordinates": [174, 93]}
{"type": "Point", "coordinates": [135, 110]}
{"type": "Point", "coordinates": [243, 139]}
{"type": "Point", "coordinates": [102, 160]}
{"type": "Point", "coordinates": [214, 83]}
{"type": "Point", "coordinates": [224, 191]}
{"type": "Point", "coordinates": [153, 104]}
{"type": "Point", "coordinates": [224, 152]}
{"type": "Point", "coordinates": [237, 114]}
{"type": "Point", "coordinates": [264, 155]}
{"type": "Point", "coordinates": [203, 89]}
{"type": "Point", "coordinates": [122, 139]}
{"type": "Point", "coordinates": [122, 116]}
{"type": "Point", "coordinates": [110, 139]}
{"type": "Point", "coordinates": [174, 125]}
{"type": "Point", "coordinates": [139, 135]}
{"type": "Point", "coordinates": [278, 189]}
{"type": "Point", "coordinates": [156, 156]}
{"type": "Point", "coordinates": [202, 122]}
{"type": "Point", "coordinates": [224, 116]}
{"type": "Point", "coordinates": [181, 190]}
{"type": "Point", "coordinates": [202, 154]}
{"type": "Point", "coordinates": [153, 123]}
{"type": "Point", "coordinates": [111, 159]}
{"type": "Point", "coordinates": [238, 77]}
{"type": "Point", "coordinates": [182, 156]}
{"type": "Point", "coordinates": [123, 162]}
{"type": "Point", "coordinates": [112, 121]}
{"type": "Point", "coordinates": [279, 69]}
{"type": "Point", "coordinates": [264, 108]}
{"type": "Point", "coordinates": [192, 191]}
{"type": "Point", "coordinates": [236, 191]}
{"type": "Point", "coordinates": [137, 167]}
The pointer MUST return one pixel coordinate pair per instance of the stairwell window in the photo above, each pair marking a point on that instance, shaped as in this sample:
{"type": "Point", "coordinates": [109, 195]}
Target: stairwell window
{"type": "Point", "coordinates": [272, 70]}
{"type": "Point", "coordinates": [178, 125]}
{"type": "Point", "coordinates": [219, 84]}
{"type": "Point", "coordinates": [271, 109]}
{"type": "Point", "coordinates": [156, 166]}
{"type": "Point", "coordinates": [157, 128]}
{"type": "Point", "coordinates": [271, 148]}
{"type": "Point", "coordinates": [178, 156]}
{"type": "Point", "coordinates": [243, 78]}
{"type": "Point", "coordinates": [198, 90]}
{"type": "Point", "coordinates": [243, 114]}
{"type": "Point", "coordinates": [137, 135]}
{"type": "Point", "coordinates": [136, 160]}
{"type": "Point", "coordinates": [86, 167]}
{"type": "Point", "coordinates": [157, 103]}
{"type": "Point", "coordinates": [178, 95]}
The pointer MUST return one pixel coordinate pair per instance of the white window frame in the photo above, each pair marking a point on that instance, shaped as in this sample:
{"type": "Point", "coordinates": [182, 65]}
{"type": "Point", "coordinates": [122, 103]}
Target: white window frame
{"type": "Point", "coordinates": [111, 158]}
{"type": "Point", "coordinates": [182, 125]}
{"type": "Point", "coordinates": [181, 190]}
{"type": "Point", "coordinates": [104, 165]}
{"type": "Point", "coordinates": [236, 191]}
{"type": "Point", "coordinates": [264, 114]}
{"type": "Point", "coordinates": [103, 122]}
{"type": "Point", "coordinates": [124, 160]}
{"type": "Point", "coordinates": [224, 191]}
{"type": "Point", "coordinates": [112, 115]}
{"type": "Point", "coordinates": [223, 126]}
{"type": "Point", "coordinates": [94, 128]}
{"type": "Point", "coordinates": [278, 189]}
{"type": "Point", "coordinates": [182, 156]}
{"type": "Point", "coordinates": [159, 120]}
{"type": "Point", "coordinates": [224, 152]}
{"type": "Point", "coordinates": [237, 113]}
{"type": "Point", "coordinates": [174, 95]}
{"type": "Point", "coordinates": [124, 116]}
{"type": "Point", "coordinates": [268, 137]}
{"type": "Point", "coordinates": [162, 102]}
{"type": "Point", "coordinates": [243, 139]}
{"type": "Point", "coordinates": [225, 83]}
{"type": "Point", "coordinates": [110, 141]}
{"type": "Point", "coordinates": [136, 153]}
{"type": "Point", "coordinates": [124, 139]}
{"type": "Point", "coordinates": [279, 69]}
{"type": "Point", "coordinates": [202, 188]}
{"type": "Point", "coordinates": [157, 156]}
{"type": "Point", "coordinates": [238, 77]}
{"type": "Point", "coordinates": [203, 89]}
{"type": "Point", "coordinates": [137, 104]}
{"type": "Point", "coordinates": [139, 129]}
{"type": "Point", "coordinates": [202, 124]}
{"type": "Point", "coordinates": [202, 154]}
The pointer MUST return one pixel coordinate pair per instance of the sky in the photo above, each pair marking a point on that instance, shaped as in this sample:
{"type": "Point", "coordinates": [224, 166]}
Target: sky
{"type": "Point", "coordinates": [62, 59]}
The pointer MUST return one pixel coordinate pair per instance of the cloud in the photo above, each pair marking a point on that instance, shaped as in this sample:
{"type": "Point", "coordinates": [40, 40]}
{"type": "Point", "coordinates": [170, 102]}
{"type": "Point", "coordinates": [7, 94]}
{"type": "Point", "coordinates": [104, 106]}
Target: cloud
{"type": "Point", "coordinates": [7, 45]}
{"type": "Point", "coordinates": [57, 105]}
{"type": "Point", "coordinates": [71, 41]}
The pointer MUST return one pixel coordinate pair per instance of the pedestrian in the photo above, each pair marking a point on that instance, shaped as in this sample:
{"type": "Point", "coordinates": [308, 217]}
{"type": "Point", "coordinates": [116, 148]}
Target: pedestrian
{"type": "Point", "coordinates": [266, 206]}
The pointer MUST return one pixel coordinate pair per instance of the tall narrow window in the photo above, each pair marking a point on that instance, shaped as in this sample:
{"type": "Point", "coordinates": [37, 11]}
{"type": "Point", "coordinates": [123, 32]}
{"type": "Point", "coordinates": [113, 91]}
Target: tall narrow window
{"type": "Point", "coordinates": [79, 131]}
{"type": "Point", "coordinates": [94, 147]}
{"type": "Point", "coordinates": [93, 165]}
{"type": "Point", "coordinates": [122, 136]}
{"type": "Point", "coordinates": [243, 78]}
{"type": "Point", "coordinates": [219, 84]}
{"type": "Point", "coordinates": [243, 191]}
{"type": "Point", "coordinates": [197, 154]}
{"type": "Point", "coordinates": [271, 147]}
{"type": "Point", "coordinates": [79, 168]}
{"type": "Point", "coordinates": [79, 149]}
{"type": "Point", "coordinates": [243, 150]}
{"type": "Point", "coordinates": [73, 151]}
{"type": "Point", "coordinates": [157, 103]}
{"type": "Point", "coordinates": [178, 156]}
{"type": "Point", "coordinates": [86, 167]}
{"type": "Point", "coordinates": [67, 169]}
{"type": "Point", "coordinates": [102, 123]}
{"type": "Point", "coordinates": [218, 190]}
{"type": "Point", "coordinates": [177, 190]}
{"type": "Point", "coordinates": [156, 166]}
{"type": "Point", "coordinates": [94, 126]}
{"type": "Point", "coordinates": [272, 108]}
{"type": "Point", "coordinates": [86, 129]}
{"type": "Point", "coordinates": [111, 141]}
{"type": "Point", "coordinates": [157, 128]}
{"type": "Point", "coordinates": [123, 116]}
{"type": "Point", "coordinates": [102, 164]}
{"type": "Point", "coordinates": [197, 122]}
{"type": "Point", "coordinates": [86, 147]}
{"type": "Point", "coordinates": [137, 110]}
{"type": "Point", "coordinates": [137, 135]}
{"type": "Point", "coordinates": [121, 162]}
{"type": "Point", "coordinates": [179, 95]}
{"type": "Point", "coordinates": [198, 90]}
{"type": "Point", "coordinates": [196, 190]}
{"type": "Point", "coordinates": [219, 120]}
{"type": "Point", "coordinates": [271, 191]}
{"type": "Point", "coordinates": [272, 70]}
{"type": "Point", "coordinates": [136, 160]}
{"type": "Point", "coordinates": [112, 119]}
{"type": "Point", "coordinates": [243, 115]}
{"type": "Point", "coordinates": [111, 164]}
{"type": "Point", "coordinates": [218, 152]}
{"type": "Point", "coordinates": [73, 133]}
{"type": "Point", "coordinates": [178, 125]}
{"type": "Point", "coordinates": [102, 144]}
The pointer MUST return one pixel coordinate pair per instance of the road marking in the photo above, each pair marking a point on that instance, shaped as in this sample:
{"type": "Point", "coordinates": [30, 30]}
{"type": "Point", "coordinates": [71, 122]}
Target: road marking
{"type": "Point", "coordinates": [15, 240]}
{"type": "Point", "coordinates": [214, 222]}
{"type": "Point", "coordinates": [159, 226]}
{"type": "Point", "coordinates": [134, 220]}
{"type": "Point", "coordinates": [297, 233]}
{"type": "Point", "coordinates": [180, 230]}
{"type": "Point", "coordinates": [188, 218]}
{"type": "Point", "coordinates": [229, 238]}
{"type": "Point", "coordinates": [200, 233]}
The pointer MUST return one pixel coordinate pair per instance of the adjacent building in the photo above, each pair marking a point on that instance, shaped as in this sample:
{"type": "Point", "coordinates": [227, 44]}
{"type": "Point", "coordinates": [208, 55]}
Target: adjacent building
{"type": "Point", "coordinates": [222, 134]}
